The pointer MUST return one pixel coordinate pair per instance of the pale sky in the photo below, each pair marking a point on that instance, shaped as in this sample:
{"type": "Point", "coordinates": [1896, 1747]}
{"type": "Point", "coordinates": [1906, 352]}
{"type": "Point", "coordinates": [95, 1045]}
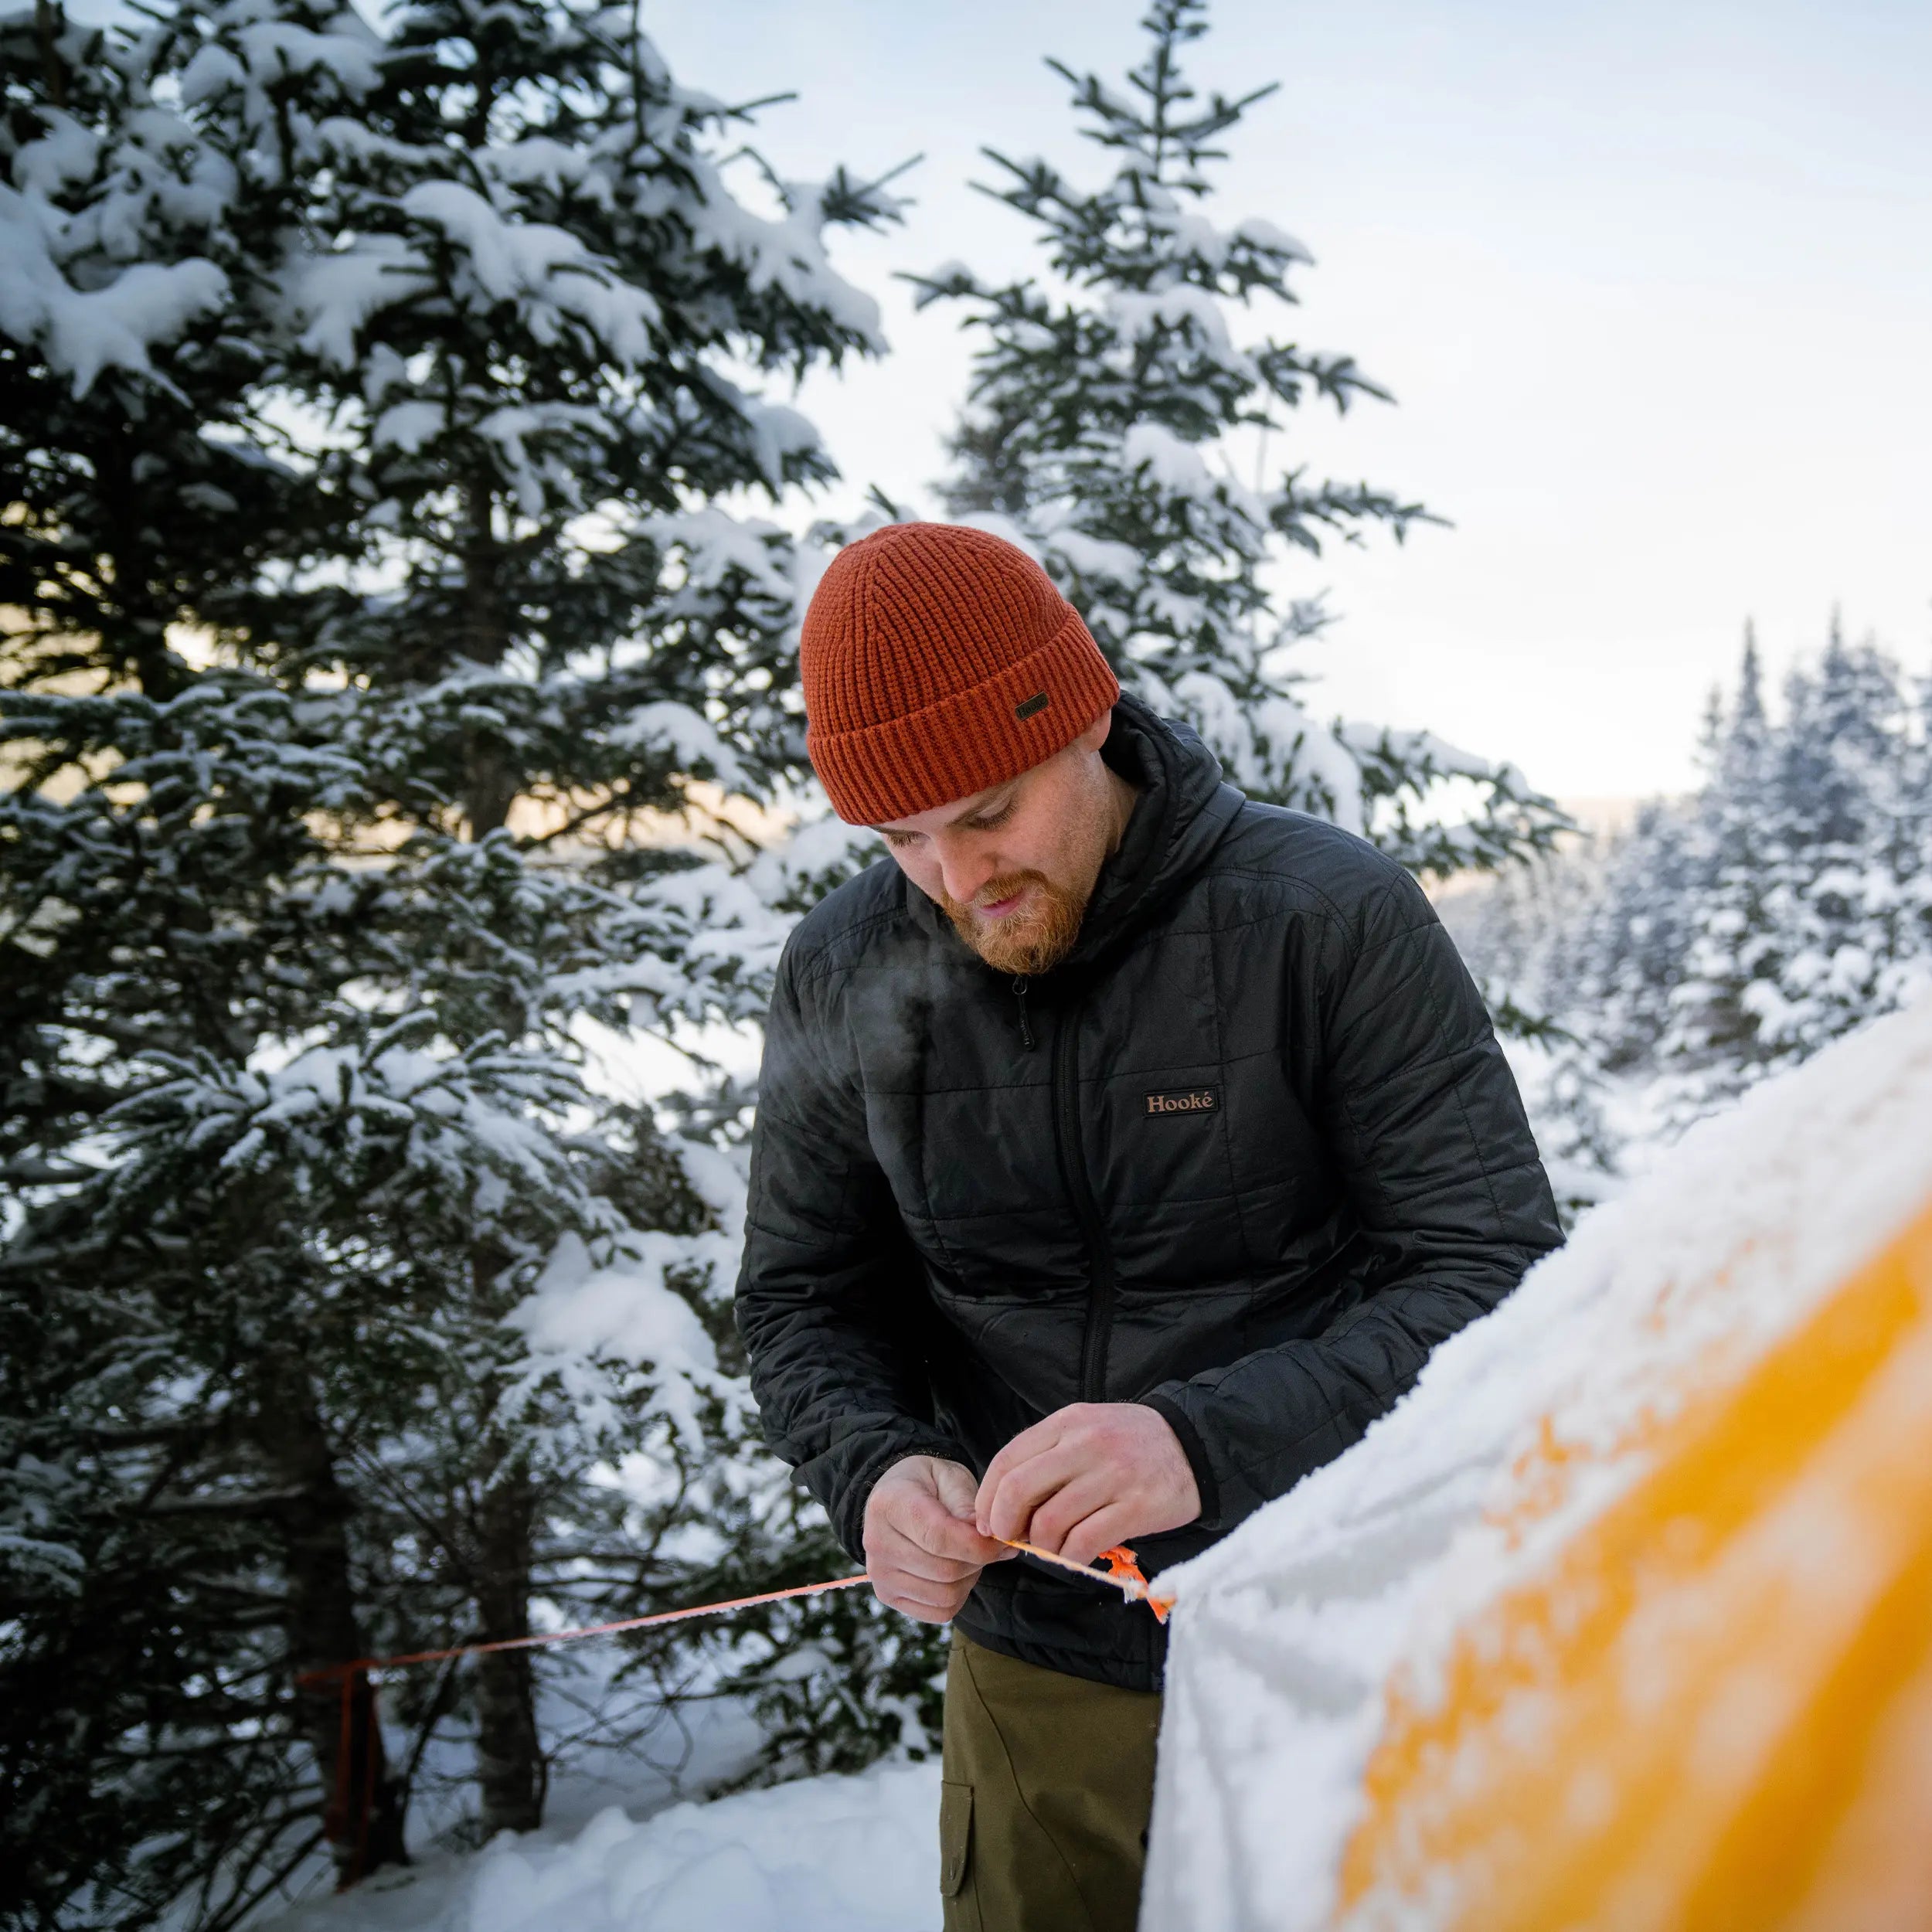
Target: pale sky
{"type": "Point", "coordinates": [1652, 285]}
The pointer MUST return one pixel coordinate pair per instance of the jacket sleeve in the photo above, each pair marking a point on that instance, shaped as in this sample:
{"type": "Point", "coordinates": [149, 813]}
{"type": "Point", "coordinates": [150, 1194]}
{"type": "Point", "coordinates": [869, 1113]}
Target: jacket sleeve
{"type": "Point", "coordinates": [1422, 1117]}
{"type": "Point", "coordinates": [826, 1296]}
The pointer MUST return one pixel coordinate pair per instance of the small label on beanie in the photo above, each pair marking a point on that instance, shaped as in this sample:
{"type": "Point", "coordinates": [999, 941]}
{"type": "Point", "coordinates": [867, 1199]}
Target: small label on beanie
{"type": "Point", "coordinates": [1190, 1100]}
{"type": "Point", "coordinates": [1033, 707]}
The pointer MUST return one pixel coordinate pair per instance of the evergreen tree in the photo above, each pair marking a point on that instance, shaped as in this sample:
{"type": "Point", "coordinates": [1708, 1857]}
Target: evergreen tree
{"type": "Point", "coordinates": [1108, 412]}
{"type": "Point", "coordinates": [372, 403]}
{"type": "Point", "coordinates": [1735, 933]}
{"type": "Point", "coordinates": [1736, 832]}
{"type": "Point", "coordinates": [1511, 928]}
{"type": "Point", "coordinates": [1803, 924]}
{"type": "Point", "coordinates": [185, 1530]}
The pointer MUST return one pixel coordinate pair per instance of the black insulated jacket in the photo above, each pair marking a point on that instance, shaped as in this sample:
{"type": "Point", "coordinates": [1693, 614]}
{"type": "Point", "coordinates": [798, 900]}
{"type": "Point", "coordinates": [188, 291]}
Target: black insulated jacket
{"type": "Point", "coordinates": [1246, 1157]}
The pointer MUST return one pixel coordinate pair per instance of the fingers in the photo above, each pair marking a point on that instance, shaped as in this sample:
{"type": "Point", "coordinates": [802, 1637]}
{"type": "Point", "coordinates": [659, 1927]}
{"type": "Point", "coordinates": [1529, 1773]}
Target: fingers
{"type": "Point", "coordinates": [924, 1521]}
{"type": "Point", "coordinates": [953, 1484]}
{"type": "Point", "coordinates": [1102, 1530]}
{"type": "Point", "coordinates": [1019, 1508]}
{"type": "Point", "coordinates": [929, 1503]}
{"type": "Point", "coordinates": [887, 1546]}
{"type": "Point", "coordinates": [957, 1493]}
{"type": "Point", "coordinates": [1057, 1478]}
{"type": "Point", "coordinates": [922, 1552]}
{"type": "Point", "coordinates": [1087, 1478]}
{"type": "Point", "coordinates": [912, 1580]}
{"type": "Point", "coordinates": [929, 1607]}
{"type": "Point", "coordinates": [1023, 1448]}
{"type": "Point", "coordinates": [1079, 1498]}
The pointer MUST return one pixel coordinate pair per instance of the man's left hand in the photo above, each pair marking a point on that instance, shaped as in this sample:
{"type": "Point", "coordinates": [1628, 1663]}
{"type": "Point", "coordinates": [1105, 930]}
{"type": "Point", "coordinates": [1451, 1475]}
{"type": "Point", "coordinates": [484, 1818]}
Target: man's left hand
{"type": "Point", "coordinates": [1091, 1475]}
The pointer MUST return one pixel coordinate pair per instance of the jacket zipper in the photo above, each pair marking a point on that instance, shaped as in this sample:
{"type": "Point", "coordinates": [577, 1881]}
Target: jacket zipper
{"type": "Point", "coordinates": [1025, 1031]}
{"type": "Point", "coordinates": [1067, 1139]}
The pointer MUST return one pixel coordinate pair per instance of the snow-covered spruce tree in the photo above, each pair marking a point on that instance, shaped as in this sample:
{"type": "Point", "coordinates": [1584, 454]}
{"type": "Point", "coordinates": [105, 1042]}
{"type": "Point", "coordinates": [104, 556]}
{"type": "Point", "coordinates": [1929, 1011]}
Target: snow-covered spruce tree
{"type": "Point", "coordinates": [1515, 930]}
{"type": "Point", "coordinates": [396, 379]}
{"type": "Point", "coordinates": [1731, 934]}
{"type": "Point", "coordinates": [1683, 1000]}
{"type": "Point", "coordinates": [521, 335]}
{"type": "Point", "coordinates": [177, 1533]}
{"type": "Point", "coordinates": [1110, 409]}
{"type": "Point", "coordinates": [1599, 935]}
{"type": "Point", "coordinates": [1816, 886]}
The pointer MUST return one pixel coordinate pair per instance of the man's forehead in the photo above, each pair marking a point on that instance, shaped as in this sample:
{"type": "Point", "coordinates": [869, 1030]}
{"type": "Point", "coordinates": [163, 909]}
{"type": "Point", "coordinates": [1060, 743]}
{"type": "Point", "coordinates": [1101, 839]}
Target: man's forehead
{"type": "Point", "coordinates": [950, 814]}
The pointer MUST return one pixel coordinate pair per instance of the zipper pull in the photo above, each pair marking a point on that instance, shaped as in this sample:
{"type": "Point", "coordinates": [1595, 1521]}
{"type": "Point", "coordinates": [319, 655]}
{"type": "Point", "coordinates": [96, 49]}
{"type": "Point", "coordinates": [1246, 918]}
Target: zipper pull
{"type": "Point", "coordinates": [1025, 1031]}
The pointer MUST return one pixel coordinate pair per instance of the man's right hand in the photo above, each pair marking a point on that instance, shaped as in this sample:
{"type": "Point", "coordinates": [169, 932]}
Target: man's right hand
{"type": "Point", "coordinates": [923, 1553]}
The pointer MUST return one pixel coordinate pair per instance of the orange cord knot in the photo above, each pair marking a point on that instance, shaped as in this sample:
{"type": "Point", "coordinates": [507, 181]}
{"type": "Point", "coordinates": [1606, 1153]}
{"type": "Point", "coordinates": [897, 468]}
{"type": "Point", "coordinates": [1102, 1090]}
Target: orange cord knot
{"type": "Point", "coordinates": [1121, 1564]}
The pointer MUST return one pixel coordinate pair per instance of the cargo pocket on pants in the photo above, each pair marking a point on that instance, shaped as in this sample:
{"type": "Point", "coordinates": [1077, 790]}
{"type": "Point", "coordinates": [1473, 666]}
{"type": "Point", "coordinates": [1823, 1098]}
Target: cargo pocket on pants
{"type": "Point", "coordinates": [955, 1837]}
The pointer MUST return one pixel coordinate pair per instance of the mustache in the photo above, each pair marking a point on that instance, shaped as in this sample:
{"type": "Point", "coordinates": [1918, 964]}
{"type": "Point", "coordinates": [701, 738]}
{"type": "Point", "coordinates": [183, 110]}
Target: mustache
{"type": "Point", "coordinates": [1004, 886]}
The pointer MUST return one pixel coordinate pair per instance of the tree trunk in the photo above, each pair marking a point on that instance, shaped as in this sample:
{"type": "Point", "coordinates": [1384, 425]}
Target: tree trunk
{"type": "Point", "coordinates": [133, 621]}
{"type": "Point", "coordinates": [50, 22]}
{"type": "Point", "coordinates": [509, 1758]}
{"type": "Point", "coordinates": [490, 785]}
{"type": "Point", "coordinates": [323, 1627]}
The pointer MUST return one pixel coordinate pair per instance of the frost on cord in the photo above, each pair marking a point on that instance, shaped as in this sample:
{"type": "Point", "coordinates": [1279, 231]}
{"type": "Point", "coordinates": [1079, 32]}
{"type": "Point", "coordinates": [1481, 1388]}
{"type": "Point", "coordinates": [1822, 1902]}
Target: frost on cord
{"type": "Point", "coordinates": [1112, 418]}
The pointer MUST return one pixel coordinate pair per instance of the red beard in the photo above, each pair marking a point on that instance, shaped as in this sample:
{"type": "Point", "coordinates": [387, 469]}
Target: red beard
{"type": "Point", "coordinates": [1023, 943]}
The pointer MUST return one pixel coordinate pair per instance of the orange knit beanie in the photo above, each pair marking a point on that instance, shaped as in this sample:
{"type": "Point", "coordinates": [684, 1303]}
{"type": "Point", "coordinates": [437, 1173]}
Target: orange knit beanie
{"type": "Point", "coordinates": [937, 661]}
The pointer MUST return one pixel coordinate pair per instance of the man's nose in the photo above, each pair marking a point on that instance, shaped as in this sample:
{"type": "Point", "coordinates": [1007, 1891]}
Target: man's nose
{"type": "Point", "coordinates": [964, 868]}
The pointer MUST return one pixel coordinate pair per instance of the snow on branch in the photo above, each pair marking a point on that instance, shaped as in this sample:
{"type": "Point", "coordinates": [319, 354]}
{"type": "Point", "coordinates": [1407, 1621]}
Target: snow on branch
{"type": "Point", "coordinates": [82, 331]}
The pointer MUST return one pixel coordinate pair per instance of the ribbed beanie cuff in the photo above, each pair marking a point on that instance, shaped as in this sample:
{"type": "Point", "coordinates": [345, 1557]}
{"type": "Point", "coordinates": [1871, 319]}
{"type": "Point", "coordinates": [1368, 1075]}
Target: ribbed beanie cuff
{"type": "Point", "coordinates": [937, 661]}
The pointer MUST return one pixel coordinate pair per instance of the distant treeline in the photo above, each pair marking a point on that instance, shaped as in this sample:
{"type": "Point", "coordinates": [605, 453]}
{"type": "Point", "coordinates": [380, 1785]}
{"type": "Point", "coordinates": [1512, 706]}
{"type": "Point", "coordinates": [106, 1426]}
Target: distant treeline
{"type": "Point", "coordinates": [1728, 934]}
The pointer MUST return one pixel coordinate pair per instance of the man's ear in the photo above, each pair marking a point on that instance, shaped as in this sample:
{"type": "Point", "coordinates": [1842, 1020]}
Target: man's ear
{"type": "Point", "coordinates": [1095, 735]}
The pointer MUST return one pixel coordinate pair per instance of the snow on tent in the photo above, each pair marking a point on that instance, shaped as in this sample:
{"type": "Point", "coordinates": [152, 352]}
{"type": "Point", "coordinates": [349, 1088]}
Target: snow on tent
{"type": "Point", "coordinates": [1623, 1619]}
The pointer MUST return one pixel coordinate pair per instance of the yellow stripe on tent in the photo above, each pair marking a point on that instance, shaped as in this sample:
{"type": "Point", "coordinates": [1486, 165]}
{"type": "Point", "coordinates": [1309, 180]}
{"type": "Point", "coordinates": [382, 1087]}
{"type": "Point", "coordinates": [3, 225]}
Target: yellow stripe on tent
{"type": "Point", "coordinates": [1713, 1710]}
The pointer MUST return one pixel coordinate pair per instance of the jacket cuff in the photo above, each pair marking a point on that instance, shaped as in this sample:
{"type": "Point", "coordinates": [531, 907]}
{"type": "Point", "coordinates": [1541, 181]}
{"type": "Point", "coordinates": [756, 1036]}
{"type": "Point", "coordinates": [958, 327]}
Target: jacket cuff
{"type": "Point", "coordinates": [1183, 1424]}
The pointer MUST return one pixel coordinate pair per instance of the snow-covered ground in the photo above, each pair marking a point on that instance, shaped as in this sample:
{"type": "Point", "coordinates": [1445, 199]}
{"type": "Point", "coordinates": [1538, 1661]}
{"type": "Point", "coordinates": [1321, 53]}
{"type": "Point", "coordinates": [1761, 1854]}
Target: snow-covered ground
{"type": "Point", "coordinates": [822, 1855]}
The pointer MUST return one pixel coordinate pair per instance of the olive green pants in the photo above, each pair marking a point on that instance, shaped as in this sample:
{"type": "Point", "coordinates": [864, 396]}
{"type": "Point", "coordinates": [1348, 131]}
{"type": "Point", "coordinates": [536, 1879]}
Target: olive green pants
{"type": "Point", "coordinates": [1048, 1781]}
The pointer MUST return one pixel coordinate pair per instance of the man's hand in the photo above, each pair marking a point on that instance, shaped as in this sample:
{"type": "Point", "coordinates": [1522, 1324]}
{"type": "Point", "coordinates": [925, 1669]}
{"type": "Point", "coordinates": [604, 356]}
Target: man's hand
{"type": "Point", "coordinates": [922, 1552]}
{"type": "Point", "coordinates": [1089, 1476]}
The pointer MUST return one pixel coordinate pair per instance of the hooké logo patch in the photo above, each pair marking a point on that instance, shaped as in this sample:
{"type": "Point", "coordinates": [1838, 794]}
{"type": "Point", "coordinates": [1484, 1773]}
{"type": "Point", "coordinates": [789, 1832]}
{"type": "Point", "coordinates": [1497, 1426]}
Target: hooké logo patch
{"type": "Point", "coordinates": [1182, 1100]}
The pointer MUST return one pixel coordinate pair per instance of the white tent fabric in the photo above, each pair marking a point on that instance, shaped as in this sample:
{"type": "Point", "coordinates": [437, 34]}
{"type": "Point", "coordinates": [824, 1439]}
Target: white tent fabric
{"type": "Point", "coordinates": [1524, 1432]}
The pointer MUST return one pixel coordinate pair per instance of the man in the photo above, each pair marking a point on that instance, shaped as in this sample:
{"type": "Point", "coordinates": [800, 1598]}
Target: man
{"type": "Point", "coordinates": [1124, 1147]}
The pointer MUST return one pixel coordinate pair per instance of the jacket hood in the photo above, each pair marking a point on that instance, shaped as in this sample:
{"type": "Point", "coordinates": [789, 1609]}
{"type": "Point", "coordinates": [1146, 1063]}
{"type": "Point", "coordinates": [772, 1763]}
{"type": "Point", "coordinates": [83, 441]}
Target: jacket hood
{"type": "Point", "coordinates": [1184, 807]}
